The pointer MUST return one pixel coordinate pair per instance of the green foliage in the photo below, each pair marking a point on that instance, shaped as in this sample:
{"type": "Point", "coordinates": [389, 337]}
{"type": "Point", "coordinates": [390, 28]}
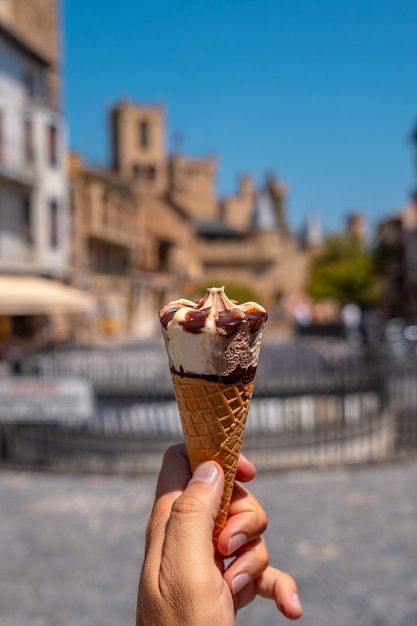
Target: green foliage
{"type": "Point", "coordinates": [234, 291]}
{"type": "Point", "coordinates": [343, 270]}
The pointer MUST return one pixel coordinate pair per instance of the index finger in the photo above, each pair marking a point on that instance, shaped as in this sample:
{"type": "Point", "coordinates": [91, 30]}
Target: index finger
{"type": "Point", "coordinates": [173, 478]}
{"type": "Point", "coordinates": [246, 470]}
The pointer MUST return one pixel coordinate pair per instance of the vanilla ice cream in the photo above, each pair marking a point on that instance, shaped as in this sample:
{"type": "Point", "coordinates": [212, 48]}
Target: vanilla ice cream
{"type": "Point", "coordinates": [215, 338]}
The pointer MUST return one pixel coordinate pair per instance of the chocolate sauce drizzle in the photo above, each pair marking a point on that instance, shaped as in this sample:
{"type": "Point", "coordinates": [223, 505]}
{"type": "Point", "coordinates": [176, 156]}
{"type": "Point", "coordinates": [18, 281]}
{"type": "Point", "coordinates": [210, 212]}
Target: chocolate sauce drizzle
{"type": "Point", "coordinates": [239, 375]}
{"type": "Point", "coordinates": [228, 320]}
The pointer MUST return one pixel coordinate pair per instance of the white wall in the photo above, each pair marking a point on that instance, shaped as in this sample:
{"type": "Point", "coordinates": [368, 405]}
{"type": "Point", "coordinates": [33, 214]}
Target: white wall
{"type": "Point", "coordinates": [41, 180]}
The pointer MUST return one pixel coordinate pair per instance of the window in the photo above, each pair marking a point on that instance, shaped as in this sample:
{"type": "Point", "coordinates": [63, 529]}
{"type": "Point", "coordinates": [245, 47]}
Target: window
{"type": "Point", "coordinates": [29, 82]}
{"type": "Point", "coordinates": [144, 172]}
{"type": "Point", "coordinates": [28, 147]}
{"type": "Point", "coordinates": [53, 224]}
{"type": "Point", "coordinates": [120, 212]}
{"type": "Point", "coordinates": [52, 145]}
{"type": "Point", "coordinates": [135, 171]}
{"type": "Point", "coordinates": [144, 134]}
{"type": "Point", "coordinates": [105, 208]}
{"type": "Point", "coordinates": [164, 250]}
{"type": "Point", "coordinates": [86, 203]}
{"type": "Point", "coordinates": [27, 220]}
{"type": "Point", "coordinates": [108, 259]}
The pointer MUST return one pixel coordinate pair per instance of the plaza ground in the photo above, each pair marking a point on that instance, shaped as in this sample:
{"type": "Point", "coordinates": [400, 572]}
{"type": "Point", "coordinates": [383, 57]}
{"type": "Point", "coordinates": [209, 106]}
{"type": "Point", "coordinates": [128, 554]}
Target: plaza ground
{"type": "Point", "coordinates": [72, 546]}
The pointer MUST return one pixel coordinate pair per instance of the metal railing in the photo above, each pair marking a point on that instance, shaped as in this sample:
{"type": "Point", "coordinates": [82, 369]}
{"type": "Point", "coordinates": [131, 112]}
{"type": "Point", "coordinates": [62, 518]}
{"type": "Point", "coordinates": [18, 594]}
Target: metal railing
{"type": "Point", "coordinates": [315, 403]}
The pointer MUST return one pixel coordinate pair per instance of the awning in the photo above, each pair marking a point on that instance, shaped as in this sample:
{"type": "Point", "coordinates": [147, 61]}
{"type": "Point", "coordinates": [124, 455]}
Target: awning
{"type": "Point", "coordinates": [25, 295]}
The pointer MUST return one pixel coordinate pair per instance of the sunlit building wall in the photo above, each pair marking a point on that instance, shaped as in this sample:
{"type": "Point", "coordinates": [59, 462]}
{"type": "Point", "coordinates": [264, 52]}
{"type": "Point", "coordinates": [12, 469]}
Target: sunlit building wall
{"type": "Point", "coordinates": [165, 264]}
{"type": "Point", "coordinates": [34, 224]}
{"type": "Point", "coordinates": [104, 240]}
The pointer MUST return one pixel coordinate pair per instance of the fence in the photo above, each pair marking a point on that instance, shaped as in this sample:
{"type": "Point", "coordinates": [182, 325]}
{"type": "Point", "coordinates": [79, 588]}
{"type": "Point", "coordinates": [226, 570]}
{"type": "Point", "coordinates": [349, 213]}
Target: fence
{"type": "Point", "coordinates": [315, 403]}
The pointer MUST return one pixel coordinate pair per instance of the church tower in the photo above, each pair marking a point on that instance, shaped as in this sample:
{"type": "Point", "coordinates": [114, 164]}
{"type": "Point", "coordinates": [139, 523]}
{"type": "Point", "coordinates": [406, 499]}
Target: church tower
{"type": "Point", "coordinates": [138, 146]}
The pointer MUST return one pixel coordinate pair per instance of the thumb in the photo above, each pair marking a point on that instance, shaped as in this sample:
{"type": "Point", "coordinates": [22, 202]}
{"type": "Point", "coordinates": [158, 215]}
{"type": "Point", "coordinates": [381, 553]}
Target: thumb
{"type": "Point", "coordinates": [189, 579]}
{"type": "Point", "coordinates": [191, 523]}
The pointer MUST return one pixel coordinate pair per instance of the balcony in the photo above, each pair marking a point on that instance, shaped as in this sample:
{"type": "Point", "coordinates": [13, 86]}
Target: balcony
{"type": "Point", "coordinates": [14, 169]}
{"type": "Point", "coordinates": [237, 252]}
{"type": "Point", "coordinates": [27, 152]}
{"type": "Point", "coordinates": [111, 235]}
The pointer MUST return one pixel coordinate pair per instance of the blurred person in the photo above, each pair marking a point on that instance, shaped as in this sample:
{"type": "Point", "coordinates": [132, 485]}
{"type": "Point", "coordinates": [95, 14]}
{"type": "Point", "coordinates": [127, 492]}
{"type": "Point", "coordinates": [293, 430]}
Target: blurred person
{"type": "Point", "coordinates": [183, 580]}
{"type": "Point", "coordinates": [351, 315]}
{"type": "Point", "coordinates": [302, 314]}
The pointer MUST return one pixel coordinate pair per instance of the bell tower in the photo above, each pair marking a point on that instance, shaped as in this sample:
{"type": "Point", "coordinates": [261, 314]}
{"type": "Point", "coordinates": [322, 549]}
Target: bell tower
{"type": "Point", "coordinates": [138, 146]}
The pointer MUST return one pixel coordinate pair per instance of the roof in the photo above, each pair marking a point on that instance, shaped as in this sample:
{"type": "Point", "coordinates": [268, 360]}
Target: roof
{"type": "Point", "coordinates": [15, 39]}
{"type": "Point", "coordinates": [215, 228]}
{"type": "Point", "coordinates": [106, 176]}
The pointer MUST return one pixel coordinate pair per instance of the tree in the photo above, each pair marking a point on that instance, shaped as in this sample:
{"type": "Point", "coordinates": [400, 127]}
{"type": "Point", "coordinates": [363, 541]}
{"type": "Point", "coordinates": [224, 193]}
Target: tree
{"type": "Point", "coordinates": [343, 270]}
{"type": "Point", "coordinates": [234, 291]}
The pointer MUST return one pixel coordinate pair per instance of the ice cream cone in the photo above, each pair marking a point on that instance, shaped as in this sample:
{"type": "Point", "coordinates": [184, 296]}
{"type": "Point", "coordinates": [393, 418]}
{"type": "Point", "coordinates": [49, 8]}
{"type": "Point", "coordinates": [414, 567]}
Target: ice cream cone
{"type": "Point", "coordinates": [213, 349]}
{"type": "Point", "coordinates": [213, 417]}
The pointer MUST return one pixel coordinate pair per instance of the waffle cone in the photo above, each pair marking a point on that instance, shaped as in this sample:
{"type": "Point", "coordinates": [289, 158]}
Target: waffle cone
{"type": "Point", "coordinates": [213, 417]}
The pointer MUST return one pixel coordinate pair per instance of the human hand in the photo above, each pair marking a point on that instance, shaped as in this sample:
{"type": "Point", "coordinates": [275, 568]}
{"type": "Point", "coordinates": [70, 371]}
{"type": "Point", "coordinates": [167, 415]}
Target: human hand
{"type": "Point", "coordinates": [183, 581]}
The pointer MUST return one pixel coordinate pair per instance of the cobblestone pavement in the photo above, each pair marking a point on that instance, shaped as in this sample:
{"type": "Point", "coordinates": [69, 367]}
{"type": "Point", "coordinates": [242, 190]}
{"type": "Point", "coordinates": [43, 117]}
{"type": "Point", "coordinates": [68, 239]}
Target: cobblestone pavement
{"type": "Point", "coordinates": [71, 546]}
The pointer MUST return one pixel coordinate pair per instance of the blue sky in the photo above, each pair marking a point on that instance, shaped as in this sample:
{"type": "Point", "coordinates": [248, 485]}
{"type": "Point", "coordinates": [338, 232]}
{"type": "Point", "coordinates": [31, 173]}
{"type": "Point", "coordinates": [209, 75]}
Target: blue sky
{"type": "Point", "coordinates": [323, 93]}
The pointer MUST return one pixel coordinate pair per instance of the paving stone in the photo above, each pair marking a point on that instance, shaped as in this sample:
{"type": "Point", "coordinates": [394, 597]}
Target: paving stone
{"type": "Point", "coordinates": [71, 546]}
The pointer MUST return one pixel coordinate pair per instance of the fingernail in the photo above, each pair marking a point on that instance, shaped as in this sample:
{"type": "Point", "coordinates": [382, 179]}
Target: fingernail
{"type": "Point", "coordinates": [206, 472]}
{"type": "Point", "coordinates": [236, 542]}
{"type": "Point", "coordinates": [296, 600]}
{"type": "Point", "coordinates": [240, 581]}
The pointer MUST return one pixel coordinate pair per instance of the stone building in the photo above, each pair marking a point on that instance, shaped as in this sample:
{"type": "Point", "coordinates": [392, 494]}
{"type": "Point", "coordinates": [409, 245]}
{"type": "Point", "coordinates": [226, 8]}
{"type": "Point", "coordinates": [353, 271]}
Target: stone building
{"type": "Point", "coordinates": [250, 246]}
{"type": "Point", "coordinates": [191, 185]}
{"type": "Point", "coordinates": [104, 242]}
{"type": "Point", "coordinates": [138, 146]}
{"type": "Point", "coordinates": [356, 225]}
{"type": "Point", "coordinates": [397, 248]}
{"type": "Point", "coordinates": [165, 263]}
{"type": "Point", "coordinates": [185, 237]}
{"type": "Point", "coordinates": [34, 224]}
{"type": "Point", "coordinates": [34, 211]}
{"type": "Point", "coordinates": [37, 23]}
{"type": "Point", "coordinates": [133, 246]}
{"type": "Point", "coordinates": [397, 255]}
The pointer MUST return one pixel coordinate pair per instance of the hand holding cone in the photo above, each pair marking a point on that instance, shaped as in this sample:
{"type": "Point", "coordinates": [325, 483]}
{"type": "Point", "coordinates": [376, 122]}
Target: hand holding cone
{"type": "Point", "coordinates": [213, 350]}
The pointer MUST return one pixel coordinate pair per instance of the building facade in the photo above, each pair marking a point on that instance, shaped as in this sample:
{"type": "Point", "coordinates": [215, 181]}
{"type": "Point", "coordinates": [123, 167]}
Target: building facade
{"type": "Point", "coordinates": [34, 206]}
{"type": "Point", "coordinates": [166, 262]}
{"type": "Point", "coordinates": [132, 246]}
{"type": "Point", "coordinates": [397, 256]}
{"type": "Point", "coordinates": [36, 22]}
{"type": "Point", "coordinates": [250, 246]}
{"type": "Point", "coordinates": [33, 180]}
{"type": "Point", "coordinates": [184, 238]}
{"type": "Point", "coordinates": [104, 240]}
